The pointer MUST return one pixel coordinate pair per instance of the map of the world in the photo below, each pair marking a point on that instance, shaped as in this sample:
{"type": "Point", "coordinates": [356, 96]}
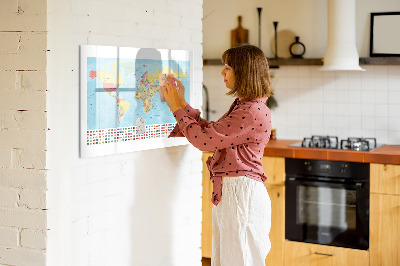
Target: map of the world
{"type": "Point", "coordinates": [122, 91]}
{"type": "Point", "coordinates": [122, 105]}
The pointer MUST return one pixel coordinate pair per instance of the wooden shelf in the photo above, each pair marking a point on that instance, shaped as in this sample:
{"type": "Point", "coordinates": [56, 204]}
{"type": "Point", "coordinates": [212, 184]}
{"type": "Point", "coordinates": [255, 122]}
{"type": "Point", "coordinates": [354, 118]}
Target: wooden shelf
{"type": "Point", "coordinates": [212, 62]}
{"type": "Point", "coordinates": [273, 63]}
{"type": "Point", "coordinates": [380, 61]}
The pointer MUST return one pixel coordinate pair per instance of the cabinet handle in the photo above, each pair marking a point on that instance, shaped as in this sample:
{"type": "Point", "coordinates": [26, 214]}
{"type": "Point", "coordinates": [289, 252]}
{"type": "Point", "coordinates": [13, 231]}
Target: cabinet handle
{"type": "Point", "coordinates": [324, 254]}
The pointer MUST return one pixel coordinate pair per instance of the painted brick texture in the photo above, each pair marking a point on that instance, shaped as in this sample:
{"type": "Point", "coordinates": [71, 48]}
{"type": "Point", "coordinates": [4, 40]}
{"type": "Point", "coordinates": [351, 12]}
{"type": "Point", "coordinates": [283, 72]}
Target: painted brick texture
{"type": "Point", "coordinates": [23, 125]}
{"type": "Point", "coordinates": [33, 239]}
{"type": "Point", "coordinates": [9, 237]}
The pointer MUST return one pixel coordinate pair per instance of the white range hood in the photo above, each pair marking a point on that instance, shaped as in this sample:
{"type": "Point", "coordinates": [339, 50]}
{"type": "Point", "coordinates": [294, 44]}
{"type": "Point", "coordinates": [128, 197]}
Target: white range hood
{"type": "Point", "coordinates": [341, 51]}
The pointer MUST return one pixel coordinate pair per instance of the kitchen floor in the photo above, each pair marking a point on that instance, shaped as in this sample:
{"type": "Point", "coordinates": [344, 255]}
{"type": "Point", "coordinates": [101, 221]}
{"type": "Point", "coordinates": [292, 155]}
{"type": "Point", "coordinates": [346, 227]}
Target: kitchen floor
{"type": "Point", "coordinates": [206, 261]}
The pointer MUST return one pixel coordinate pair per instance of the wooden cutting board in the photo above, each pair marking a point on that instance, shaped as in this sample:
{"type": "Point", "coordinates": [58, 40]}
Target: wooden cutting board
{"type": "Point", "coordinates": [239, 35]}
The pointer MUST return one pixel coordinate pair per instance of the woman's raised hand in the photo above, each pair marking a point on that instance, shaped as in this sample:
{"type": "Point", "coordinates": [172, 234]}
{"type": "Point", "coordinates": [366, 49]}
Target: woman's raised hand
{"type": "Point", "coordinates": [174, 93]}
{"type": "Point", "coordinates": [181, 91]}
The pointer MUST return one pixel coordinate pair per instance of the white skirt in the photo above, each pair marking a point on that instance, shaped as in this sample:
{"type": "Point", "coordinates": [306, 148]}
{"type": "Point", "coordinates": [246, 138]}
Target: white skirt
{"type": "Point", "coordinates": [241, 223]}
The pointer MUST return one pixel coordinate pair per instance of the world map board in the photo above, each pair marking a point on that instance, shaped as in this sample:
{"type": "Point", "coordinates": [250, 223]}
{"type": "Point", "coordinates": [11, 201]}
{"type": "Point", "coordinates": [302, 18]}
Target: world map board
{"type": "Point", "coordinates": [122, 108]}
{"type": "Point", "coordinates": [123, 92]}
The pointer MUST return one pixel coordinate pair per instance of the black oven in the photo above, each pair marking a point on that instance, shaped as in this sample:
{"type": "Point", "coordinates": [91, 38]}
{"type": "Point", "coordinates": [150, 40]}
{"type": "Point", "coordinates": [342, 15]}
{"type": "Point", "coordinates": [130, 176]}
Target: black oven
{"type": "Point", "coordinates": [327, 202]}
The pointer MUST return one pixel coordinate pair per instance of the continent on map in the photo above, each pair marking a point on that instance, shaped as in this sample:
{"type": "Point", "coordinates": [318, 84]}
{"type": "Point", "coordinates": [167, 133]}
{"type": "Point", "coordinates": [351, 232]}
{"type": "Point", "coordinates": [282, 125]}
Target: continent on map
{"type": "Point", "coordinates": [146, 89]}
{"type": "Point", "coordinates": [93, 74]}
{"type": "Point", "coordinates": [177, 74]}
{"type": "Point", "coordinates": [123, 107]}
{"type": "Point", "coordinates": [109, 76]}
{"type": "Point", "coordinates": [110, 85]}
{"type": "Point", "coordinates": [149, 85]}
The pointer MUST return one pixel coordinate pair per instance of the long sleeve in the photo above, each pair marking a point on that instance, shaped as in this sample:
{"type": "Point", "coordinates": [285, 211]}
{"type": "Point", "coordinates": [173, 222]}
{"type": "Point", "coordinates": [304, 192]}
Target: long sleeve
{"type": "Point", "coordinates": [231, 130]}
{"type": "Point", "coordinates": [193, 113]}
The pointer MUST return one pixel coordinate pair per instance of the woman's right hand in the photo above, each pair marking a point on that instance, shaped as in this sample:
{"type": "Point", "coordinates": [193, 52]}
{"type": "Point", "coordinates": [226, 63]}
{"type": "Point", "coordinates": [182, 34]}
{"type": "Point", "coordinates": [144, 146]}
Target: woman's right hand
{"type": "Point", "coordinates": [181, 90]}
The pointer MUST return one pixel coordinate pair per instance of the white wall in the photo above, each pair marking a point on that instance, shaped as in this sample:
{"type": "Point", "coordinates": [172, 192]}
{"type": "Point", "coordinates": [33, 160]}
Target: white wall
{"type": "Point", "coordinates": [343, 104]}
{"type": "Point", "coordinates": [23, 133]}
{"type": "Point", "coordinates": [311, 102]}
{"type": "Point", "coordinates": [306, 19]}
{"type": "Point", "coordinates": [140, 208]}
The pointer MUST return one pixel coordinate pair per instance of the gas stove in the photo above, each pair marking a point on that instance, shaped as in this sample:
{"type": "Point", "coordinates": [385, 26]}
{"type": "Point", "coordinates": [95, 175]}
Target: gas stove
{"type": "Point", "coordinates": [332, 142]}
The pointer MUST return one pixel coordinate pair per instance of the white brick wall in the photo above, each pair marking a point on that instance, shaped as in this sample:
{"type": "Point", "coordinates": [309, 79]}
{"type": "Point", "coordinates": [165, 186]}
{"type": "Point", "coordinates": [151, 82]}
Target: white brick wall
{"type": "Point", "coordinates": [141, 208]}
{"type": "Point", "coordinates": [9, 197]}
{"type": "Point", "coordinates": [33, 239]}
{"type": "Point", "coordinates": [23, 126]}
{"type": "Point", "coordinates": [9, 237]}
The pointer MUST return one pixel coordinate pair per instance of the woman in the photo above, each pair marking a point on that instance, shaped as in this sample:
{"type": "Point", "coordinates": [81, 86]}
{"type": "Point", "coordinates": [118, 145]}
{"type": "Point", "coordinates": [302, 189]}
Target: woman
{"type": "Point", "coordinates": [242, 211]}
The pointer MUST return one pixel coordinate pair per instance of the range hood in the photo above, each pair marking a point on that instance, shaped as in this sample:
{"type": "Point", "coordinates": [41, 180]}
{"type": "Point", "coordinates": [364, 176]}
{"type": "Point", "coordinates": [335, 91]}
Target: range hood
{"type": "Point", "coordinates": [341, 51]}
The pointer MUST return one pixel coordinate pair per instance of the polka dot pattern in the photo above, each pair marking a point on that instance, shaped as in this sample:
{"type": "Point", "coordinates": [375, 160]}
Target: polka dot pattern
{"type": "Point", "coordinates": [238, 139]}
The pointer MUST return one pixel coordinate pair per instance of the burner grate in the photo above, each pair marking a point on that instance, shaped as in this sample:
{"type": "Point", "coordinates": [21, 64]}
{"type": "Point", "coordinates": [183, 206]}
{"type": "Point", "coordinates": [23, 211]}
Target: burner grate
{"type": "Point", "coordinates": [327, 142]}
{"type": "Point", "coordinates": [358, 144]}
{"type": "Point", "coordinates": [332, 142]}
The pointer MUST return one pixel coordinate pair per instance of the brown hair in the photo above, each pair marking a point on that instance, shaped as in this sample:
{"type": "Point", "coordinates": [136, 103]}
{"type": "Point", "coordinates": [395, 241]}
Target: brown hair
{"type": "Point", "coordinates": [250, 66]}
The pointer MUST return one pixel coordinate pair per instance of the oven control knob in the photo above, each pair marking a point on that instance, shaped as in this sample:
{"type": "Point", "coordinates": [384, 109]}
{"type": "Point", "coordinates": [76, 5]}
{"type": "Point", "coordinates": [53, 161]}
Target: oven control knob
{"type": "Point", "coordinates": [308, 166]}
{"type": "Point", "coordinates": [343, 168]}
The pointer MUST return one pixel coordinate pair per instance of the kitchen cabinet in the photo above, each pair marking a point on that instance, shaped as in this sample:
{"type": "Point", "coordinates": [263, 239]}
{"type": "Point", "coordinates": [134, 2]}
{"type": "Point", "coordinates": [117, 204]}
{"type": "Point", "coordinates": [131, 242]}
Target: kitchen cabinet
{"type": "Point", "coordinates": [274, 168]}
{"type": "Point", "coordinates": [206, 225]}
{"type": "Point", "coordinates": [385, 215]}
{"type": "Point", "coordinates": [277, 233]}
{"type": "Point", "coordinates": [305, 254]}
{"type": "Point", "coordinates": [385, 178]}
{"type": "Point", "coordinates": [385, 230]}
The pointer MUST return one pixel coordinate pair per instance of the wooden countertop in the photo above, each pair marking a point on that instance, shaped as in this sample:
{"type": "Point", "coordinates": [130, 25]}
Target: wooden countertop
{"type": "Point", "coordinates": [389, 154]}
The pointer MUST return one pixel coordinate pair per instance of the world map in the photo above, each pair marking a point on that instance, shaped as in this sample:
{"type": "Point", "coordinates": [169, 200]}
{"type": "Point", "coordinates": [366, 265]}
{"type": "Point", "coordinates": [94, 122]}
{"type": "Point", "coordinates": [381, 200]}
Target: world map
{"type": "Point", "coordinates": [121, 90]}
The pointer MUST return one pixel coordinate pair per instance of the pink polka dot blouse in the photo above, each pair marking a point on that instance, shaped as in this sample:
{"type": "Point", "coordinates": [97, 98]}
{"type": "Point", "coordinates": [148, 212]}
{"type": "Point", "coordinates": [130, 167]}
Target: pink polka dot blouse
{"type": "Point", "coordinates": [238, 139]}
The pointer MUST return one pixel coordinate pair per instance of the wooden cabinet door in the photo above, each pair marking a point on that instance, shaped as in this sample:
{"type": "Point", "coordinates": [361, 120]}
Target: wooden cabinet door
{"type": "Point", "coordinates": [384, 236]}
{"type": "Point", "coordinates": [274, 168]}
{"type": "Point", "coordinates": [206, 226]}
{"type": "Point", "coordinates": [277, 233]}
{"type": "Point", "coordinates": [304, 254]}
{"type": "Point", "coordinates": [385, 178]}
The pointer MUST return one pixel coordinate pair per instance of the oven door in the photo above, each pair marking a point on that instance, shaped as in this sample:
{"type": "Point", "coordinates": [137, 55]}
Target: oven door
{"type": "Point", "coordinates": [327, 213]}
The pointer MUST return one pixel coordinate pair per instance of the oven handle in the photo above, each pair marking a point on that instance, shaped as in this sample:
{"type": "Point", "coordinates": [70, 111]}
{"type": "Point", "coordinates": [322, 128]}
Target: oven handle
{"type": "Point", "coordinates": [357, 185]}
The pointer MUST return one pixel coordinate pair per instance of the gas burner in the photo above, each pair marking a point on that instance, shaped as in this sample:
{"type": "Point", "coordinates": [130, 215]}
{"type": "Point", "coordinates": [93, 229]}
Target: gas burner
{"type": "Point", "coordinates": [332, 142]}
{"type": "Point", "coordinates": [327, 142]}
{"type": "Point", "coordinates": [358, 144]}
